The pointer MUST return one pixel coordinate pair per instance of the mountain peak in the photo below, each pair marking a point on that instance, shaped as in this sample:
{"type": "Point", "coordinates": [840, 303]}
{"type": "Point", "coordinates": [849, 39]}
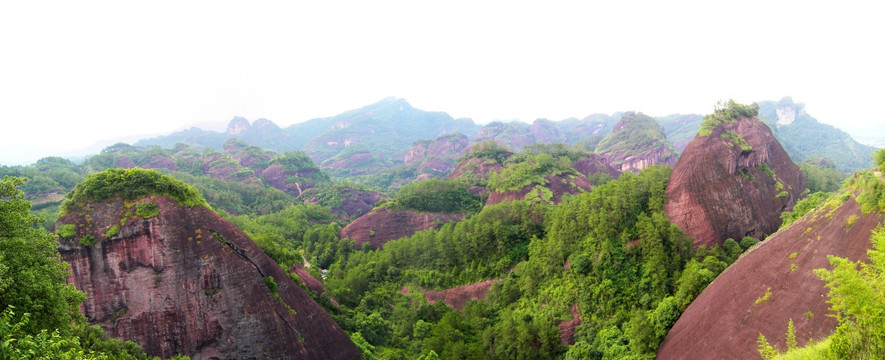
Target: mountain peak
{"type": "Point", "coordinates": [237, 125]}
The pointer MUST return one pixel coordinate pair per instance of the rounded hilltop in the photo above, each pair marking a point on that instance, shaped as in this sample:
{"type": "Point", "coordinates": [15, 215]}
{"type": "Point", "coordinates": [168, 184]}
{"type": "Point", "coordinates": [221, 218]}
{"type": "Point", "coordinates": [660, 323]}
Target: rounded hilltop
{"type": "Point", "coordinates": [130, 184]}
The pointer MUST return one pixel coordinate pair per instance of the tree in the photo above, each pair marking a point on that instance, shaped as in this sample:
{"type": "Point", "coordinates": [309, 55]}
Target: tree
{"type": "Point", "coordinates": [32, 274]}
{"type": "Point", "coordinates": [879, 159]}
{"type": "Point", "coordinates": [856, 296]}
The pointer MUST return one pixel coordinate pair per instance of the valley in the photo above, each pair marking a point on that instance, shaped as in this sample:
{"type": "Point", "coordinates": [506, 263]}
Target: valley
{"type": "Point", "coordinates": [389, 232]}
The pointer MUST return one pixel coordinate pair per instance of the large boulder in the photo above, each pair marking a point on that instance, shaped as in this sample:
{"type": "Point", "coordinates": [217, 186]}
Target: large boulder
{"type": "Point", "coordinates": [733, 182]}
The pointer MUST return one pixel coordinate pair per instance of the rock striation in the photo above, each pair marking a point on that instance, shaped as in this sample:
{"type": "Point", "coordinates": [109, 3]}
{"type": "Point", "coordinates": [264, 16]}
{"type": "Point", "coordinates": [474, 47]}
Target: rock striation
{"type": "Point", "coordinates": [185, 281]}
{"type": "Point", "coordinates": [732, 183]}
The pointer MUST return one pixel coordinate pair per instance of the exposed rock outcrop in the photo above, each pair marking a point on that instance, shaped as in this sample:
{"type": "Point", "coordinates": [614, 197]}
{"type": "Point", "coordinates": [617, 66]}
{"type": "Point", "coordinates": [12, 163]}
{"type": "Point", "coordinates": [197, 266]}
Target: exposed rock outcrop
{"type": "Point", "coordinates": [595, 164]}
{"type": "Point", "coordinates": [771, 284]}
{"type": "Point", "coordinates": [382, 225]}
{"type": "Point", "coordinates": [351, 203]}
{"type": "Point", "coordinates": [732, 183]}
{"type": "Point", "coordinates": [458, 296]}
{"type": "Point", "coordinates": [567, 327]}
{"type": "Point", "coordinates": [636, 143]}
{"type": "Point", "coordinates": [186, 281]}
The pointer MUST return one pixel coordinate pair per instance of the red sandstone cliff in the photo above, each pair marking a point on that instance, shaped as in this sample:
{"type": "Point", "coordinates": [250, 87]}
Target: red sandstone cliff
{"type": "Point", "coordinates": [595, 164]}
{"type": "Point", "coordinates": [725, 320]}
{"type": "Point", "coordinates": [382, 225]}
{"type": "Point", "coordinates": [186, 281]}
{"type": "Point", "coordinates": [721, 190]}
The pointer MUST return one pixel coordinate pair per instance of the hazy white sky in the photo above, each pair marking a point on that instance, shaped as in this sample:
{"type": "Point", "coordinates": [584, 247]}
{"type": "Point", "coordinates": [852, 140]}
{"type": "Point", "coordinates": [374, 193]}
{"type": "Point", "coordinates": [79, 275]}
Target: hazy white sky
{"type": "Point", "coordinates": [73, 73]}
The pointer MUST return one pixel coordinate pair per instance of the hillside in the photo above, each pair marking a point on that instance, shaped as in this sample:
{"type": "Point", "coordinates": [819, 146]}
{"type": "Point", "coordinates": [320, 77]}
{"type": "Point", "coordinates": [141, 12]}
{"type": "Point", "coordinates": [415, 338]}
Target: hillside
{"type": "Point", "coordinates": [163, 270]}
{"type": "Point", "coordinates": [636, 142]}
{"type": "Point", "coordinates": [385, 128]}
{"type": "Point", "coordinates": [774, 282]}
{"type": "Point", "coordinates": [733, 180]}
{"type": "Point", "coordinates": [803, 136]}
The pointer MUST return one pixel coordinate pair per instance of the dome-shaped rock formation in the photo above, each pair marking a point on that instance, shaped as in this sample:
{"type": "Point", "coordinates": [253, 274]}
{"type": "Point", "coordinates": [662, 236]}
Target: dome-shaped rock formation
{"type": "Point", "coordinates": [733, 180]}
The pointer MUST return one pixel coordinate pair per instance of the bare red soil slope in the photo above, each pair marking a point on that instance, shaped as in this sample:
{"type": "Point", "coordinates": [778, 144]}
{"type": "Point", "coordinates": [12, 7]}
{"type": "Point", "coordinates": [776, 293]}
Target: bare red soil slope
{"type": "Point", "coordinates": [771, 284]}
{"type": "Point", "coordinates": [187, 281]}
{"type": "Point", "coordinates": [724, 187]}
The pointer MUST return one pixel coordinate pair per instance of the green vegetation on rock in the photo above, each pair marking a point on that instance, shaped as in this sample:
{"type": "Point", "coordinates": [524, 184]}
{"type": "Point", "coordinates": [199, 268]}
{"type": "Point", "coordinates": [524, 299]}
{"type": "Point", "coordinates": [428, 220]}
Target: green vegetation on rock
{"type": "Point", "coordinates": [532, 169]}
{"type": "Point", "coordinates": [39, 311]}
{"type": "Point", "coordinates": [131, 184]}
{"type": "Point", "coordinates": [435, 195]}
{"type": "Point", "coordinates": [855, 290]}
{"type": "Point", "coordinates": [726, 112]}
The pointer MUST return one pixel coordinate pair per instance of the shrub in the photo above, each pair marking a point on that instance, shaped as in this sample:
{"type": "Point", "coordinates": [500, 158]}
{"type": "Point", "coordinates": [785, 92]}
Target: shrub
{"type": "Point", "coordinates": [87, 240]}
{"type": "Point", "coordinates": [726, 112]}
{"type": "Point", "coordinates": [851, 221]}
{"type": "Point", "coordinates": [112, 231]}
{"type": "Point", "coordinates": [879, 159]}
{"type": "Point", "coordinates": [271, 284]}
{"type": "Point", "coordinates": [130, 184]}
{"type": "Point", "coordinates": [67, 230]}
{"type": "Point", "coordinates": [735, 139]}
{"type": "Point", "coordinates": [748, 241]}
{"type": "Point", "coordinates": [147, 210]}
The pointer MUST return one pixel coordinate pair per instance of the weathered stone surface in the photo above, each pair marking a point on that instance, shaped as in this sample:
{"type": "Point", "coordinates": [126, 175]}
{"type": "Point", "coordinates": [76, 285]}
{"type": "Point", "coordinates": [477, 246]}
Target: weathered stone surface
{"type": "Point", "coordinates": [187, 281]}
{"type": "Point", "coordinates": [725, 320]}
{"type": "Point", "coordinates": [382, 225]}
{"type": "Point", "coordinates": [354, 203]}
{"type": "Point", "coordinates": [719, 190]}
{"type": "Point", "coordinates": [595, 164]}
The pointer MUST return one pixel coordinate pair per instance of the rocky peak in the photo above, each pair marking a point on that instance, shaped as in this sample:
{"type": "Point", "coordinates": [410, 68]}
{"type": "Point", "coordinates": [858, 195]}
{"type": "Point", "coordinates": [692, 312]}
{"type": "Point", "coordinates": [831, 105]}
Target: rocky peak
{"type": "Point", "coordinates": [237, 125]}
{"type": "Point", "coordinates": [636, 142]}
{"type": "Point", "coordinates": [732, 182]}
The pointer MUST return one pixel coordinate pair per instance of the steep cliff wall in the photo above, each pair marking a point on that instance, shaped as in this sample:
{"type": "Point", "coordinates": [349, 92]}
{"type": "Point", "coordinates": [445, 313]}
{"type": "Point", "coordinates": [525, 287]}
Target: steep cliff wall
{"type": "Point", "coordinates": [732, 183]}
{"type": "Point", "coordinates": [186, 281]}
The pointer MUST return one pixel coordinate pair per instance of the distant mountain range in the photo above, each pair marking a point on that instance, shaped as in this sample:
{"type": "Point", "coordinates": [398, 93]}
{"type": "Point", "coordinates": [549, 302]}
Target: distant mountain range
{"type": "Point", "coordinates": [378, 135]}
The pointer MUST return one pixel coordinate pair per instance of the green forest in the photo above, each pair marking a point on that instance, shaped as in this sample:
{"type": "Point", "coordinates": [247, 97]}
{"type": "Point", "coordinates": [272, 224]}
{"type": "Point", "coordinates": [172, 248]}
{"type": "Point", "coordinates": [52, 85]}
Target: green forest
{"type": "Point", "coordinates": [607, 264]}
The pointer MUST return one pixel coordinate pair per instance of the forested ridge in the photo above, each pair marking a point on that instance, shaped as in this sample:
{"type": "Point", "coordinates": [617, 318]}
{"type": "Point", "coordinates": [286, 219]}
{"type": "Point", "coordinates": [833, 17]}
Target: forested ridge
{"type": "Point", "coordinates": [597, 273]}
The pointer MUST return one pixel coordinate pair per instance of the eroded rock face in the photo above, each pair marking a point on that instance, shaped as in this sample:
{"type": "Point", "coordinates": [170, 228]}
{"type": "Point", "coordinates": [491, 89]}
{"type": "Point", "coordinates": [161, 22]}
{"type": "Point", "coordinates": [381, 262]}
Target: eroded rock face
{"type": "Point", "coordinates": [725, 320]}
{"type": "Point", "coordinates": [382, 225]}
{"type": "Point", "coordinates": [724, 187]}
{"type": "Point", "coordinates": [595, 164]}
{"type": "Point", "coordinates": [188, 282]}
{"type": "Point", "coordinates": [354, 203]}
